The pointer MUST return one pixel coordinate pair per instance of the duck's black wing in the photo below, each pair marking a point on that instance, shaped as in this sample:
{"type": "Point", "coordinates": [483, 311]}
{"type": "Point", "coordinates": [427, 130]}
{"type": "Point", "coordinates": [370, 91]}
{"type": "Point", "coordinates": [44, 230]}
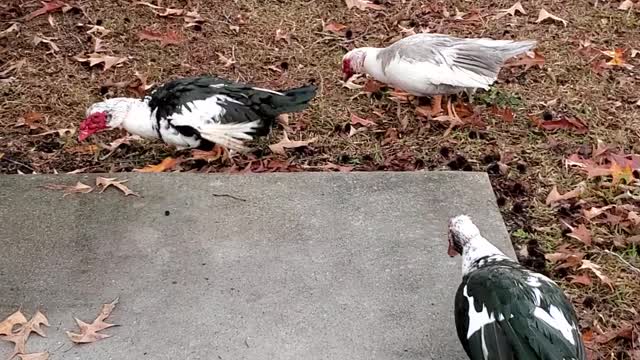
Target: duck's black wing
{"type": "Point", "coordinates": [506, 312]}
{"type": "Point", "coordinates": [241, 103]}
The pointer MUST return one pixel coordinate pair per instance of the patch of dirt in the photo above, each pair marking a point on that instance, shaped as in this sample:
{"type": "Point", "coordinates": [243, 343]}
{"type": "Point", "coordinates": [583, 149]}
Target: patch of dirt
{"type": "Point", "coordinates": [524, 161]}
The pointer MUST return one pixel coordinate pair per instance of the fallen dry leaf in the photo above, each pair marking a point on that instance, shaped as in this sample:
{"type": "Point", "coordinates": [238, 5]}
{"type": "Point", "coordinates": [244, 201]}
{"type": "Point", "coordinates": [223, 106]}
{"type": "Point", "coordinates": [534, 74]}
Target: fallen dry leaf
{"type": "Point", "coordinates": [363, 5]}
{"type": "Point", "coordinates": [104, 183]}
{"type": "Point", "coordinates": [544, 15]}
{"type": "Point", "coordinates": [625, 332]}
{"type": "Point", "coordinates": [168, 163]}
{"type": "Point", "coordinates": [554, 196]}
{"type": "Point", "coordinates": [528, 59]}
{"type": "Point", "coordinates": [285, 143]}
{"type": "Point", "coordinates": [581, 233]}
{"type": "Point", "coordinates": [171, 37]}
{"type": "Point", "coordinates": [106, 60]}
{"type": "Point", "coordinates": [626, 5]}
{"type": "Point", "coordinates": [193, 19]}
{"type": "Point", "coordinates": [228, 62]}
{"type": "Point", "coordinates": [170, 12]}
{"type": "Point", "coordinates": [9, 30]}
{"type": "Point", "coordinates": [617, 59]}
{"type": "Point", "coordinates": [583, 279]}
{"type": "Point", "coordinates": [37, 40]}
{"type": "Point", "coordinates": [282, 35]}
{"type": "Point", "coordinates": [357, 120]}
{"type": "Point", "coordinates": [164, 11]}
{"type": "Point", "coordinates": [30, 119]}
{"type": "Point", "coordinates": [595, 211]}
{"type": "Point", "coordinates": [517, 7]}
{"type": "Point", "coordinates": [47, 7]}
{"type": "Point", "coordinates": [586, 264]}
{"type": "Point", "coordinates": [505, 114]}
{"type": "Point", "coordinates": [372, 86]}
{"type": "Point", "coordinates": [334, 27]}
{"type": "Point", "coordinates": [68, 189]}
{"type": "Point", "coordinates": [34, 356]}
{"type": "Point", "coordinates": [137, 86]}
{"type": "Point", "coordinates": [13, 68]}
{"type": "Point", "coordinates": [20, 337]}
{"type": "Point", "coordinates": [89, 332]}
{"type": "Point", "coordinates": [82, 149]}
{"type": "Point", "coordinates": [619, 173]}
{"type": "Point", "coordinates": [6, 325]}
{"type": "Point", "coordinates": [330, 166]}
{"type": "Point", "coordinates": [101, 30]}
{"type": "Point", "coordinates": [565, 259]}
{"type": "Point", "coordinates": [562, 123]}
{"type": "Point", "coordinates": [122, 141]}
{"type": "Point", "coordinates": [633, 240]}
{"type": "Point", "coordinates": [60, 132]}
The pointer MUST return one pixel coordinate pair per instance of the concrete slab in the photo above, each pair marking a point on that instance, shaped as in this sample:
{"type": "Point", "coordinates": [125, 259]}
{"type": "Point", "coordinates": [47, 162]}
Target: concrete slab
{"type": "Point", "coordinates": [293, 266]}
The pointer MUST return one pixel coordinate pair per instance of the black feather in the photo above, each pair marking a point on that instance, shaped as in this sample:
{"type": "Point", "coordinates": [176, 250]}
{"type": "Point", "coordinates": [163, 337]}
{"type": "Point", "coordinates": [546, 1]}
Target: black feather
{"type": "Point", "coordinates": [500, 287]}
{"type": "Point", "coordinates": [242, 103]}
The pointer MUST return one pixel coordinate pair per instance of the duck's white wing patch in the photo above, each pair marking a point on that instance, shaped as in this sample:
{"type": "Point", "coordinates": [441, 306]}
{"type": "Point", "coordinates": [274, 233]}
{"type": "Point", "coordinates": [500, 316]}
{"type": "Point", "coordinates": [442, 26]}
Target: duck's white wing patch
{"type": "Point", "coordinates": [478, 319]}
{"type": "Point", "coordinates": [556, 319]}
{"type": "Point", "coordinates": [200, 112]}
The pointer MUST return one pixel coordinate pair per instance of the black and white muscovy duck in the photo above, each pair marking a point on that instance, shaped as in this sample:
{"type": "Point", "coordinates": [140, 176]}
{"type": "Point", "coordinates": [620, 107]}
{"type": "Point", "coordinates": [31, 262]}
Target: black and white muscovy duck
{"type": "Point", "coordinates": [505, 311]}
{"type": "Point", "coordinates": [435, 64]}
{"type": "Point", "coordinates": [198, 112]}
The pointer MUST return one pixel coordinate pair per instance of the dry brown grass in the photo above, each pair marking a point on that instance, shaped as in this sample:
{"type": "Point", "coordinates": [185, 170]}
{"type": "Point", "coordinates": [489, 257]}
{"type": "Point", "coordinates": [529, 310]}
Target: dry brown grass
{"type": "Point", "coordinates": [61, 88]}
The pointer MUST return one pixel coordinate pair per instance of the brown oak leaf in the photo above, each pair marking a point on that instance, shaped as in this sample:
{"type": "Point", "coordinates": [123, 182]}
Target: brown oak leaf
{"type": "Point", "coordinates": [581, 233]}
{"type": "Point", "coordinates": [363, 4]}
{"type": "Point", "coordinates": [285, 143]}
{"type": "Point", "coordinates": [586, 264]}
{"type": "Point", "coordinates": [106, 60]}
{"type": "Point", "coordinates": [20, 337]}
{"type": "Point", "coordinates": [47, 7]}
{"type": "Point", "coordinates": [104, 183]}
{"type": "Point", "coordinates": [6, 325]}
{"type": "Point", "coordinates": [170, 37]}
{"type": "Point", "coordinates": [68, 189]}
{"type": "Point", "coordinates": [89, 332]}
{"type": "Point", "coordinates": [554, 196]}
{"type": "Point", "coordinates": [544, 15]}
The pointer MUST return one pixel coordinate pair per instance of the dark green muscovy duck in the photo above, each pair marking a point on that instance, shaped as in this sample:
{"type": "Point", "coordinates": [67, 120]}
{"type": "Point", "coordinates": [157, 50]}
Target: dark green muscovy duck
{"type": "Point", "coordinates": [198, 112]}
{"type": "Point", "coordinates": [504, 311]}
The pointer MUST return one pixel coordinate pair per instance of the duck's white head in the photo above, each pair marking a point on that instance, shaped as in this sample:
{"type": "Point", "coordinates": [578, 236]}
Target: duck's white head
{"type": "Point", "coordinates": [353, 63]}
{"type": "Point", "coordinates": [461, 231]}
{"type": "Point", "coordinates": [105, 115]}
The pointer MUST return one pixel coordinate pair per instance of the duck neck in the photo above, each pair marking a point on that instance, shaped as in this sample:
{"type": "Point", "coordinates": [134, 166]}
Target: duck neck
{"type": "Point", "coordinates": [475, 248]}
{"type": "Point", "coordinates": [372, 65]}
{"type": "Point", "coordinates": [139, 119]}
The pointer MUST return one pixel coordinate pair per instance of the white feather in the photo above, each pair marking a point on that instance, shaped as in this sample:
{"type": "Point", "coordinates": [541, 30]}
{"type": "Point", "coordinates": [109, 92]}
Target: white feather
{"type": "Point", "coordinates": [556, 319]}
{"type": "Point", "coordinates": [205, 116]}
{"type": "Point", "coordinates": [426, 78]}
{"type": "Point", "coordinates": [477, 319]}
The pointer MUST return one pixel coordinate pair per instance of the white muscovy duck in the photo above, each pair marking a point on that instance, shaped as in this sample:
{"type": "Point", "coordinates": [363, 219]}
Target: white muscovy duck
{"type": "Point", "coordinates": [435, 64]}
{"type": "Point", "coordinates": [505, 311]}
{"type": "Point", "coordinates": [197, 112]}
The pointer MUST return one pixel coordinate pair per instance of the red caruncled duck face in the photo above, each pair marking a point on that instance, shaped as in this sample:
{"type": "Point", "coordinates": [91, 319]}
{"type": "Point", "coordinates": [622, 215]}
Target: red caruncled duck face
{"type": "Point", "coordinates": [347, 71]}
{"type": "Point", "coordinates": [92, 124]}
